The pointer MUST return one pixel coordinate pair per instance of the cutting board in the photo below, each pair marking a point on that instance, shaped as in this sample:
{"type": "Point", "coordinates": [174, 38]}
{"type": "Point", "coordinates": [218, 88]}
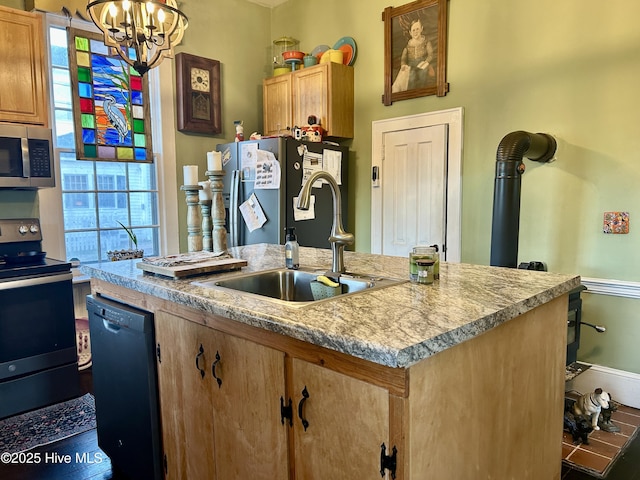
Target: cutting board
{"type": "Point", "coordinates": [188, 270]}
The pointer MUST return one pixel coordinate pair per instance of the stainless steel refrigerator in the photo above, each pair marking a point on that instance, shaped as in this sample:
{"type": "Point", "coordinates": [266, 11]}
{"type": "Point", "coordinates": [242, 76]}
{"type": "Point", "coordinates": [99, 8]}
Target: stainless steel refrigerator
{"type": "Point", "coordinates": [246, 170]}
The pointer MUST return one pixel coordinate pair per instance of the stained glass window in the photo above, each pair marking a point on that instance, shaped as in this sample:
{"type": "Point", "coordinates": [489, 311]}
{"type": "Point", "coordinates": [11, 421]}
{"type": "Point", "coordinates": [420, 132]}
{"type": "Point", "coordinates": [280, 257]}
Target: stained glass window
{"type": "Point", "coordinates": [110, 102]}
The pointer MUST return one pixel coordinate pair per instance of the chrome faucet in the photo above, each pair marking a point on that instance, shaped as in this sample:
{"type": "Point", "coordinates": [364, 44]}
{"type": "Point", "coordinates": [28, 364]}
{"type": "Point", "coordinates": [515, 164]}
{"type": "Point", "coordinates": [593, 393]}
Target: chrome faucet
{"type": "Point", "coordinates": [338, 238]}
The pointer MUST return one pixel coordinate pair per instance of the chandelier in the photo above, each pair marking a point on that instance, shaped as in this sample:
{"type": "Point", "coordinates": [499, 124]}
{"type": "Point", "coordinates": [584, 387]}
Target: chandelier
{"type": "Point", "coordinates": [142, 32]}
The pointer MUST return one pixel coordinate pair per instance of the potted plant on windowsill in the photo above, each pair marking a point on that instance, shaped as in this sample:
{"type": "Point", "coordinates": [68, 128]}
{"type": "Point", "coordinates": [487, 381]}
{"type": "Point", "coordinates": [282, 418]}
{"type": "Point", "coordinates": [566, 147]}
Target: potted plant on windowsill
{"type": "Point", "coordinates": [116, 255]}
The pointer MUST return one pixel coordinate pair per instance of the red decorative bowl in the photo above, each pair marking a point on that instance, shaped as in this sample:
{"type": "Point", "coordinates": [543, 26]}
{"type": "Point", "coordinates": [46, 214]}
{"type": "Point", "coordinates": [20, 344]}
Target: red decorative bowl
{"type": "Point", "coordinates": [292, 54]}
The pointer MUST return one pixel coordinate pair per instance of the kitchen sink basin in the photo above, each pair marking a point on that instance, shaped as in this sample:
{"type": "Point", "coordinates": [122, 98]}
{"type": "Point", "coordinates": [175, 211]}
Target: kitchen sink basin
{"type": "Point", "coordinates": [295, 287]}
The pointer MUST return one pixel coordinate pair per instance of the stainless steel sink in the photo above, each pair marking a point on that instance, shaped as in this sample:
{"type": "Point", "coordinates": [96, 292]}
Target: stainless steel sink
{"type": "Point", "coordinates": [294, 287]}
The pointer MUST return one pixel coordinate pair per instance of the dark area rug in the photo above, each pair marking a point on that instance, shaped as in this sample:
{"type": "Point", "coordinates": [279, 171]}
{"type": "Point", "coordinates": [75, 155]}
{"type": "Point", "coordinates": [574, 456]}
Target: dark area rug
{"type": "Point", "coordinates": [604, 448]}
{"type": "Point", "coordinates": [46, 425]}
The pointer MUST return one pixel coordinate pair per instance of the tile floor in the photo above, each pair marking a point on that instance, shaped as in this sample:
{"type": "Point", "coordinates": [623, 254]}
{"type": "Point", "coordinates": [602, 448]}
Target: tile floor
{"type": "Point", "coordinates": [603, 447]}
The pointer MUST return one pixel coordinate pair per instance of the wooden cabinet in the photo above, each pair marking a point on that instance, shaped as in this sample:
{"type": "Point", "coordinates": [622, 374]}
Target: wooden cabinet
{"type": "Point", "coordinates": [23, 96]}
{"type": "Point", "coordinates": [220, 404]}
{"type": "Point", "coordinates": [489, 407]}
{"type": "Point", "coordinates": [347, 421]}
{"type": "Point", "coordinates": [324, 90]}
{"type": "Point", "coordinates": [278, 111]}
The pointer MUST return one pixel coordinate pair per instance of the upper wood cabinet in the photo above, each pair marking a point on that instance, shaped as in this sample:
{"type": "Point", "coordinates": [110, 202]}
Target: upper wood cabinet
{"type": "Point", "coordinates": [278, 111]}
{"type": "Point", "coordinates": [324, 90]}
{"type": "Point", "coordinates": [23, 96]}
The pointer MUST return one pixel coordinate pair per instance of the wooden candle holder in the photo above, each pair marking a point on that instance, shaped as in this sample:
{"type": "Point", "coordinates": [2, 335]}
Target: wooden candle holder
{"type": "Point", "coordinates": [218, 215]}
{"type": "Point", "coordinates": [194, 218]}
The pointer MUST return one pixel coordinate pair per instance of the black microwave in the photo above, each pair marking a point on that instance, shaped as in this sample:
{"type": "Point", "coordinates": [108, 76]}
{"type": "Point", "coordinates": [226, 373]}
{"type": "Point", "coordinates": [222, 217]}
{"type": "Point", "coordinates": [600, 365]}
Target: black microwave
{"type": "Point", "coordinates": [26, 157]}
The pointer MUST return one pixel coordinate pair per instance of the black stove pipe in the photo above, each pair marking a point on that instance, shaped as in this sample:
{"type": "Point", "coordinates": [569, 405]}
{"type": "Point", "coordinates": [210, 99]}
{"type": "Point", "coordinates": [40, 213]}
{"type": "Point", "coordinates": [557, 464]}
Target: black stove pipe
{"type": "Point", "coordinates": [505, 227]}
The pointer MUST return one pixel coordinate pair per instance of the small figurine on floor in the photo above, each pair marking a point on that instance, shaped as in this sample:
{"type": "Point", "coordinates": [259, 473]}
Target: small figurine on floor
{"type": "Point", "coordinates": [605, 422]}
{"type": "Point", "coordinates": [591, 404]}
{"type": "Point", "coordinates": [577, 425]}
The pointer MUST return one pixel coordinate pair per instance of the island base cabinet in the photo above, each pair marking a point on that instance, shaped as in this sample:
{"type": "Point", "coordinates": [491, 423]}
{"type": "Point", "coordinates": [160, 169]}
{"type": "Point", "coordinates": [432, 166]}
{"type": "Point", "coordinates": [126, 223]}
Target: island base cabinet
{"type": "Point", "coordinates": [219, 401]}
{"type": "Point", "coordinates": [250, 438]}
{"type": "Point", "coordinates": [492, 407]}
{"type": "Point", "coordinates": [186, 403]}
{"type": "Point", "coordinates": [345, 423]}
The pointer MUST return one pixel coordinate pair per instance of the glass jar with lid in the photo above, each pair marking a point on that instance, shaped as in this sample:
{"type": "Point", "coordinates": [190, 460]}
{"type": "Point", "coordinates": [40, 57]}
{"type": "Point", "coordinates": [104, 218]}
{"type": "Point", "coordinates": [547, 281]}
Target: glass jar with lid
{"type": "Point", "coordinates": [280, 45]}
{"type": "Point", "coordinates": [423, 253]}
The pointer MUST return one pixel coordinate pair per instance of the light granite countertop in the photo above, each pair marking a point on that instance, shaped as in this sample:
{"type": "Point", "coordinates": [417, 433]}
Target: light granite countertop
{"type": "Point", "coordinates": [395, 326]}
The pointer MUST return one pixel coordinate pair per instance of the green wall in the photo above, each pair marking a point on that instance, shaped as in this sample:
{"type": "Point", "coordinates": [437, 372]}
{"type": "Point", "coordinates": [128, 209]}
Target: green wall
{"type": "Point", "coordinates": [18, 4]}
{"type": "Point", "coordinates": [567, 68]}
{"type": "Point", "coordinates": [237, 33]}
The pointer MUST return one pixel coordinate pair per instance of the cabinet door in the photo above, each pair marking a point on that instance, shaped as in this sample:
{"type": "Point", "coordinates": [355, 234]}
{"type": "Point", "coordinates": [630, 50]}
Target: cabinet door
{"type": "Point", "coordinates": [276, 94]}
{"type": "Point", "coordinates": [348, 420]}
{"type": "Point", "coordinates": [310, 91]}
{"type": "Point", "coordinates": [250, 439]}
{"type": "Point", "coordinates": [22, 76]}
{"type": "Point", "coordinates": [185, 397]}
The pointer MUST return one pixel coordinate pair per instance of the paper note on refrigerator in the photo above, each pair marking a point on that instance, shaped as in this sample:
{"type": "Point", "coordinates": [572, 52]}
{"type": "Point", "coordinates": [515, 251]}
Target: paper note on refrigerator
{"type": "Point", "coordinates": [311, 163]}
{"type": "Point", "coordinates": [248, 159]}
{"type": "Point", "coordinates": [332, 163]}
{"type": "Point", "coordinates": [329, 160]}
{"type": "Point", "coordinates": [252, 213]}
{"type": "Point", "coordinates": [267, 171]}
{"type": "Point", "coordinates": [304, 214]}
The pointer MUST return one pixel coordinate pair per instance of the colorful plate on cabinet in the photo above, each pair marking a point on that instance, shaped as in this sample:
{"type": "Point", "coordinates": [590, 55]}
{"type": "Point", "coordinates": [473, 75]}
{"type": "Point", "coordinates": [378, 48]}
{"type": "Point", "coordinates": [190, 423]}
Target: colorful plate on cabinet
{"type": "Point", "coordinates": [319, 50]}
{"type": "Point", "coordinates": [348, 46]}
{"type": "Point", "coordinates": [347, 53]}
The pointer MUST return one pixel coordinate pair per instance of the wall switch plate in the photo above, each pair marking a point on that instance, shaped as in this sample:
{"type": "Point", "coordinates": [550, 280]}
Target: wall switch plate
{"type": "Point", "coordinates": [616, 222]}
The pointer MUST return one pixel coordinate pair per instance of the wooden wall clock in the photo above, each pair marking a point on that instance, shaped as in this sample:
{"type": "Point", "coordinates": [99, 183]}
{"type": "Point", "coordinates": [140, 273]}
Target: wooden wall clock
{"type": "Point", "coordinates": [198, 92]}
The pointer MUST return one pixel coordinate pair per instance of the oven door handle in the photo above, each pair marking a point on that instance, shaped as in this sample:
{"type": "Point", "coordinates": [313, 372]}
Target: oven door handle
{"type": "Point", "coordinates": [35, 281]}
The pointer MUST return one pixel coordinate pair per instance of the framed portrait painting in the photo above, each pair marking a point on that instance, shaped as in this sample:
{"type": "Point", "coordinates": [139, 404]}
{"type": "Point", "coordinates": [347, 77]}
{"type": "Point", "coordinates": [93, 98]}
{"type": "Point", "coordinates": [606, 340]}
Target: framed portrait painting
{"type": "Point", "coordinates": [415, 50]}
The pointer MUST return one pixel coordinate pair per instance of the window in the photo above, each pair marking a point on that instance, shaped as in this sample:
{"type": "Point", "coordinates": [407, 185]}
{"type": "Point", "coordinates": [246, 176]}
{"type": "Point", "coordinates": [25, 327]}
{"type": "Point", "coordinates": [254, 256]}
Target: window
{"type": "Point", "coordinates": [97, 195]}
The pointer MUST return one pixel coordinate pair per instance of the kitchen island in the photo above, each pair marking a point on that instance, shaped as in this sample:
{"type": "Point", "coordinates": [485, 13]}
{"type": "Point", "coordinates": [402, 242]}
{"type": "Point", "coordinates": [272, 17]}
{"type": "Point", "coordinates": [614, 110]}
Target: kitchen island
{"type": "Point", "coordinates": [460, 379]}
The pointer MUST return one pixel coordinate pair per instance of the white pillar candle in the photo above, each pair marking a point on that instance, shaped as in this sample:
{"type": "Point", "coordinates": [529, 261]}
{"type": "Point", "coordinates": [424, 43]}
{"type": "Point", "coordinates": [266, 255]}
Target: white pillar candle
{"type": "Point", "coordinates": [190, 174]}
{"type": "Point", "coordinates": [214, 161]}
{"type": "Point", "coordinates": [205, 193]}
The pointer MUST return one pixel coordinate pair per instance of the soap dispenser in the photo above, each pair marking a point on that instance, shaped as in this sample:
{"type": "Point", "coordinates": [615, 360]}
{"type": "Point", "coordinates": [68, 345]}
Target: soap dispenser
{"type": "Point", "coordinates": [291, 249]}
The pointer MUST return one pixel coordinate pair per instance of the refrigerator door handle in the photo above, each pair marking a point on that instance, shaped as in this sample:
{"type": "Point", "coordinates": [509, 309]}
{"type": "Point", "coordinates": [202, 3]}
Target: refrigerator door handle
{"type": "Point", "coordinates": [233, 207]}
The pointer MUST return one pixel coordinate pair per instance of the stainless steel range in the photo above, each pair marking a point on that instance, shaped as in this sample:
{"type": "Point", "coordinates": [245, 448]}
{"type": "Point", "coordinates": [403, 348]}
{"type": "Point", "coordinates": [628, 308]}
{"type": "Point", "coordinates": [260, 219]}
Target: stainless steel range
{"type": "Point", "coordinates": [38, 353]}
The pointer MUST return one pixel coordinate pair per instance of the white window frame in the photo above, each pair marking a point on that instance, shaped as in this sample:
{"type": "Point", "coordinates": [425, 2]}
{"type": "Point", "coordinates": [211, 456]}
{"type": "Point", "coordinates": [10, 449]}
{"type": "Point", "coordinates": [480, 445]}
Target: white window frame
{"type": "Point", "coordinates": [161, 95]}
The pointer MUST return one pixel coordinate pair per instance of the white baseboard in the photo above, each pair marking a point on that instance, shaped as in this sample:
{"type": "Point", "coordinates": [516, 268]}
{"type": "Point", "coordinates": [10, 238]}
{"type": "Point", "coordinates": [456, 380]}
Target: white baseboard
{"type": "Point", "coordinates": [616, 288]}
{"type": "Point", "coordinates": [624, 387]}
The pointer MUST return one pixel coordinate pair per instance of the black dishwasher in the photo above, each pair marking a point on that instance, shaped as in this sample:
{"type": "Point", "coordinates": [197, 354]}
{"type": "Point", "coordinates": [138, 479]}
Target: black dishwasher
{"type": "Point", "coordinates": [125, 387]}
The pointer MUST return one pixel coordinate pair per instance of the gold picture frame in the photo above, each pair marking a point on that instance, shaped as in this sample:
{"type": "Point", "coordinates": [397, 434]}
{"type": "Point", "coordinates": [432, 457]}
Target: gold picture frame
{"type": "Point", "coordinates": [198, 94]}
{"type": "Point", "coordinates": [415, 50]}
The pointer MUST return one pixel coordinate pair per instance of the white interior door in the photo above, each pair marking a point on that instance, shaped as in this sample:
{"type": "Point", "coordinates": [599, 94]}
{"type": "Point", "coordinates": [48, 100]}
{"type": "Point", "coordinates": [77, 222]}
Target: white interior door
{"type": "Point", "coordinates": [416, 183]}
{"type": "Point", "coordinates": [413, 177]}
